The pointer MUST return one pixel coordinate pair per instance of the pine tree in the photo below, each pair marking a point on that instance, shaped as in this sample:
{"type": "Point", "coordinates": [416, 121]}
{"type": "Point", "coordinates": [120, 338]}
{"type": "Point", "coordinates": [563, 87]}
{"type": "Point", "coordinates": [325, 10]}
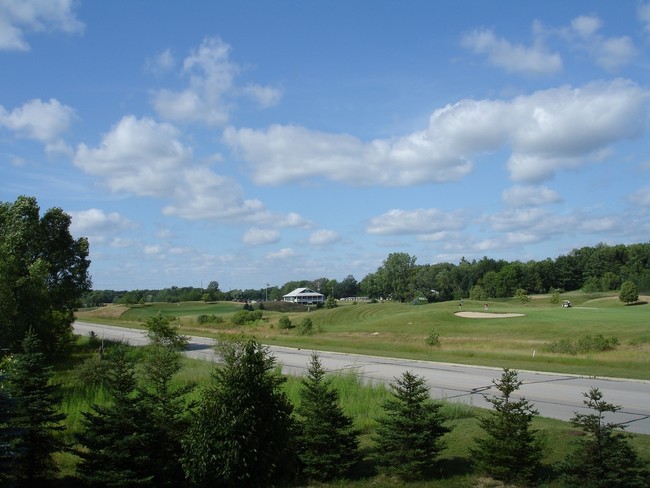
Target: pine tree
{"type": "Point", "coordinates": [165, 406]}
{"type": "Point", "coordinates": [242, 431]}
{"type": "Point", "coordinates": [114, 436]}
{"type": "Point", "coordinates": [512, 450]}
{"type": "Point", "coordinates": [327, 441]}
{"type": "Point", "coordinates": [8, 433]}
{"type": "Point", "coordinates": [35, 416]}
{"type": "Point", "coordinates": [409, 435]}
{"type": "Point", "coordinates": [603, 458]}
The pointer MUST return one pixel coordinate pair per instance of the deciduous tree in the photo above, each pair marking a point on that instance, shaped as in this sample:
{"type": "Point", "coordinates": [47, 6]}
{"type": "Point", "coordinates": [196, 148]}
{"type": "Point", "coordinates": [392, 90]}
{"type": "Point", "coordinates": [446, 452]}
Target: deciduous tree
{"type": "Point", "coordinates": [629, 293]}
{"type": "Point", "coordinates": [43, 275]}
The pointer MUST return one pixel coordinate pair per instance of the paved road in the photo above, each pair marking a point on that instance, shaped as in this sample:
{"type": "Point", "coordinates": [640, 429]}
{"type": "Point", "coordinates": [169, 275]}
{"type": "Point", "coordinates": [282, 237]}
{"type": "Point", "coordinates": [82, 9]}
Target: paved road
{"type": "Point", "coordinates": [554, 395]}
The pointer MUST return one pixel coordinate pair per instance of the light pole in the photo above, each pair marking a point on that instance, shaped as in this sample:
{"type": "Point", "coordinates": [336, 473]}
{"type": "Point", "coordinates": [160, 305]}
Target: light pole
{"type": "Point", "coordinates": [266, 293]}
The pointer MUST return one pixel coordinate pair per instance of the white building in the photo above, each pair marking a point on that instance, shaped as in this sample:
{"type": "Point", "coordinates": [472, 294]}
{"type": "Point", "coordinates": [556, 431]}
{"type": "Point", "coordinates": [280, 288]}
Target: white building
{"type": "Point", "coordinates": [304, 296]}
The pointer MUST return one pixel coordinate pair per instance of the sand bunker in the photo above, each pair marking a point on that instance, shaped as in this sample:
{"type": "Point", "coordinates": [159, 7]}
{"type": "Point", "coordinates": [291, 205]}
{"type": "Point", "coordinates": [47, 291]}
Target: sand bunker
{"type": "Point", "coordinates": [488, 315]}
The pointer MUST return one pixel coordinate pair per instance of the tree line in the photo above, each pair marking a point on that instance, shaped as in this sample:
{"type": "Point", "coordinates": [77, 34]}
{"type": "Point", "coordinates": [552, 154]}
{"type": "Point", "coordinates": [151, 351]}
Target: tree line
{"type": "Point", "coordinates": [244, 432]}
{"type": "Point", "coordinates": [592, 269]}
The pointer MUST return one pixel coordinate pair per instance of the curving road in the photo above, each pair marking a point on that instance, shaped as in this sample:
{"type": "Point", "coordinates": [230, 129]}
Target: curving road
{"type": "Point", "coordinates": [556, 396]}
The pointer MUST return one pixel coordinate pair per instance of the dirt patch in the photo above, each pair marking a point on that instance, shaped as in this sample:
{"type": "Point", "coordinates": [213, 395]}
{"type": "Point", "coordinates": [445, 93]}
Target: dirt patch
{"type": "Point", "coordinates": [488, 315]}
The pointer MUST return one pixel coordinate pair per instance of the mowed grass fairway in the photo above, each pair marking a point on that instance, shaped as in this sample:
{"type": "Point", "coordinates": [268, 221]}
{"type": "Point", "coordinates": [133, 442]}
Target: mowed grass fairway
{"type": "Point", "coordinates": [401, 329]}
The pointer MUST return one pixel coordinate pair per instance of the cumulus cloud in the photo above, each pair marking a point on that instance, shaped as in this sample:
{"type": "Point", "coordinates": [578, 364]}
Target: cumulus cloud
{"type": "Point", "coordinates": [323, 237]}
{"type": "Point", "coordinates": [610, 53]}
{"type": "Point", "coordinates": [97, 225]}
{"type": "Point", "coordinates": [137, 156]}
{"type": "Point", "coordinates": [514, 58]}
{"type": "Point", "coordinates": [17, 18]}
{"type": "Point", "coordinates": [418, 221]}
{"type": "Point", "coordinates": [211, 91]}
{"type": "Point", "coordinates": [282, 154]}
{"type": "Point", "coordinates": [529, 196]}
{"type": "Point", "coordinates": [256, 236]}
{"type": "Point", "coordinates": [547, 131]}
{"type": "Point", "coordinates": [146, 158]}
{"type": "Point", "coordinates": [42, 121]}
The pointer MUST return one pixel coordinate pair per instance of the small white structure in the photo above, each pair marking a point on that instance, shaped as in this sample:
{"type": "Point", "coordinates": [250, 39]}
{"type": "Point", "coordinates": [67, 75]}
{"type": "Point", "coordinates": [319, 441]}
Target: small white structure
{"type": "Point", "coordinates": [304, 296]}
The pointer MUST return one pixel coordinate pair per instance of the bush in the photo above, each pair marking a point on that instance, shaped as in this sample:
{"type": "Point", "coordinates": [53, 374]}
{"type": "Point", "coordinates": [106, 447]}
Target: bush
{"type": "Point", "coordinates": [285, 322]}
{"type": "Point", "coordinates": [585, 344]}
{"type": "Point", "coordinates": [246, 316]}
{"type": "Point", "coordinates": [306, 327]}
{"type": "Point", "coordinates": [209, 319]}
{"type": "Point", "coordinates": [433, 339]}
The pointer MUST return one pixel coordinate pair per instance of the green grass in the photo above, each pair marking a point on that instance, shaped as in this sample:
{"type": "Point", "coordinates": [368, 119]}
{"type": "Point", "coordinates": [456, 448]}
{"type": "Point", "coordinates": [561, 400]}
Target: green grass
{"type": "Point", "coordinates": [400, 330]}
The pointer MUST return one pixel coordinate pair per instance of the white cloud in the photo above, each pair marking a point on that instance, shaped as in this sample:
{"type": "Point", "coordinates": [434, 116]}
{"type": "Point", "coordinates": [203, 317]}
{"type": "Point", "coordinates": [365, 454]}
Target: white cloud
{"type": "Point", "coordinates": [256, 236]}
{"type": "Point", "coordinates": [137, 156]}
{"type": "Point", "coordinates": [284, 253]}
{"type": "Point", "coordinates": [547, 131]}
{"type": "Point", "coordinates": [146, 158]}
{"type": "Point", "coordinates": [209, 95]}
{"type": "Point", "coordinates": [42, 121]}
{"type": "Point", "coordinates": [23, 16]}
{"type": "Point", "coordinates": [609, 53]}
{"type": "Point", "coordinates": [161, 63]}
{"type": "Point", "coordinates": [419, 221]}
{"type": "Point", "coordinates": [265, 96]}
{"type": "Point", "coordinates": [527, 196]}
{"type": "Point", "coordinates": [514, 58]}
{"type": "Point", "coordinates": [323, 237]}
{"type": "Point", "coordinates": [98, 225]}
{"type": "Point", "coordinates": [200, 194]}
{"type": "Point", "coordinates": [531, 221]}
{"type": "Point", "coordinates": [287, 153]}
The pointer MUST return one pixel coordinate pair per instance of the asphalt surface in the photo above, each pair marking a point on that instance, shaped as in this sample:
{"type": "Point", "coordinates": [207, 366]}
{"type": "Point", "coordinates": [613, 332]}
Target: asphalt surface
{"type": "Point", "coordinates": [557, 396]}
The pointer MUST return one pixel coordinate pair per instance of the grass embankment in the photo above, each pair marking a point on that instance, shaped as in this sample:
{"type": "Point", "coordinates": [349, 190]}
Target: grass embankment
{"type": "Point", "coordinates": [400, 330]}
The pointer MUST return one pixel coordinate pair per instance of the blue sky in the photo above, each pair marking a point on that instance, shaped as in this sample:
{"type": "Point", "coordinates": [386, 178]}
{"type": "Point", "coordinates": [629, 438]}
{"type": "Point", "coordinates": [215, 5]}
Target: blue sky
{"type": "Point", "coordinates": [254, 142]}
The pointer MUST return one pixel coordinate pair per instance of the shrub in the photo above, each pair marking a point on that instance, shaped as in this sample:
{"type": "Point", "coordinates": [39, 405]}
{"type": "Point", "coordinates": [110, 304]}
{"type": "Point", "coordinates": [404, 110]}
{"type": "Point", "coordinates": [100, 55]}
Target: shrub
{"type": "Point", "coordinates": [285, 322]}
{"type": "Point", "coordinates": [246, 316]}
{"type": "Point", "coordinates": [433, 339]}
{"type": "Point", "coordinates": [306, 326]}
{"type": "Point", "coordinates": [209, 319]}
{"type": "Point", "coordinates": [585, 344]}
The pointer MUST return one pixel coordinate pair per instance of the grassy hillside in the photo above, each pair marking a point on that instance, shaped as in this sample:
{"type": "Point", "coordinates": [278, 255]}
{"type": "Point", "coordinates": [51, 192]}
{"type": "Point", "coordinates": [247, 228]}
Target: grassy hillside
{"type": "Point", "coordinates": [400, 330]}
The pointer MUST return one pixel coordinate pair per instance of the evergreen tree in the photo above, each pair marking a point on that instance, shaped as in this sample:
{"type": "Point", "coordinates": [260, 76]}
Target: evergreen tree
{"type": "Point", "coordinates": [512, 451]}
{"type": "Point", "coordinates": [35, 417]}
{"type": "Point", "coordinates": [327, 441]}
{"type": "Point", "coordinates": [603, 458]}
{"type": "Point", "coordinates": [242, 432]}
{"type": "Point", "coordinates": [8, 433]}
{"type": "Point", "coordinates": [114, 436]}
{"type": "Point", "coordinates": [409, 435]}
{"type": "Point", "coordinates": [165, 406]}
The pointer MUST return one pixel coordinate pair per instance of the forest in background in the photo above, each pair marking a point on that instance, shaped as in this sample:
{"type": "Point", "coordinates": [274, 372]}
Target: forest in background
{"type": "Point", "coordinates": [591, 269]}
